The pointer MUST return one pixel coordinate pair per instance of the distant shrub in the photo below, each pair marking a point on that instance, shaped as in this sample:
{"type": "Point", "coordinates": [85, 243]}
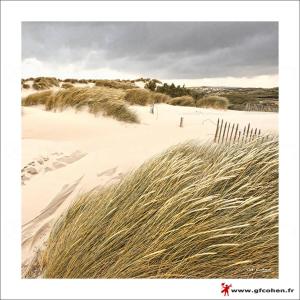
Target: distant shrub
{"type": "Point", "coordinates": [82, 81]}
{"type": "Point", "coordinates": [216, 102]}
{"type": "Point", "coordinates": [67, 85]}
{"type": "Point", "coordinates": [151, 84]}
{"type": "Point", "coordinates": [182, 101]}
{"type": "Point", "coordinates": [114, 84]}
{"type": "Point", "coordinates": [173, 91]}
{"type": "Point", "coordinates": [138, 96]}
{"type": "Point", "coordinates": [109, 102]}
{"type": "Point", "coordinates": [25, 86]}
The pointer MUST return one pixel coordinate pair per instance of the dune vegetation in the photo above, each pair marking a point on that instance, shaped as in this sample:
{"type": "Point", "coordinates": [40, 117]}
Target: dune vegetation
{"type": "Point", "coordinates": [216, 102]}
{"type": "Point", "coordinates": [182, 101]}
{"type": "Point", "coordinates": [25, 86]}
{"type": "Point", "coordinates": [114, 84]}
{"type": "Point", "coordinates": [67, 85]}
{"type": "Point", "coordinates": [195, 211]}
{"type": "Point", "coordinates": [103, 100]}
{"type": "Point", "coordinates": [42, 83]}
{"type": "Point", "coordinates": [138, 96]}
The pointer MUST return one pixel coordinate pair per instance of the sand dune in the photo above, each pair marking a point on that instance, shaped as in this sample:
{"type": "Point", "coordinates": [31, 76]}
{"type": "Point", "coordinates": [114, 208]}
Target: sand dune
{"type": "Point", "coordinates": [67, 153]}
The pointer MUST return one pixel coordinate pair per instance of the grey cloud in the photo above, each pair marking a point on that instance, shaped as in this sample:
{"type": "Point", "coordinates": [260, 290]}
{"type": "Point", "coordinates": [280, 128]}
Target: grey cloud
{"type": "Point", "coordinates": [160, 49]}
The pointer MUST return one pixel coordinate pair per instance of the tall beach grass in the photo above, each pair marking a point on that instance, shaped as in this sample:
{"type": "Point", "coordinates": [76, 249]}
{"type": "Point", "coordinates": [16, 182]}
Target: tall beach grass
{"type": "Point", "coordinates": [195, 211]}
{"type": "Point", "coordinates": [103, 100]}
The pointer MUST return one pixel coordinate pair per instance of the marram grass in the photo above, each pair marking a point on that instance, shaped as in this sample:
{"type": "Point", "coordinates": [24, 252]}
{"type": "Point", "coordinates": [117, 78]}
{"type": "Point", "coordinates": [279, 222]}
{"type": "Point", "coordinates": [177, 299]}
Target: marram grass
{"type": "Point", "coordinates": [108, 101]}
{"type": "Point", "coordinates": [195, 211]}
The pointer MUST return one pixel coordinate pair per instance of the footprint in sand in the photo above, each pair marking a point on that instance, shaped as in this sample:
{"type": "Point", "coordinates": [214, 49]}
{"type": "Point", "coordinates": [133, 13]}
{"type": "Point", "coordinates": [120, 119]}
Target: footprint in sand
{"type": "Point", "coordinates": [49, 163]}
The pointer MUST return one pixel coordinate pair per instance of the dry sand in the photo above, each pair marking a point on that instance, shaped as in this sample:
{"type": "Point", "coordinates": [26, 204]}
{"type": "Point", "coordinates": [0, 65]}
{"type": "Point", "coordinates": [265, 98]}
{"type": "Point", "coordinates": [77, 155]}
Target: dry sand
{"type": "Point", "coordinates": [67, 153]}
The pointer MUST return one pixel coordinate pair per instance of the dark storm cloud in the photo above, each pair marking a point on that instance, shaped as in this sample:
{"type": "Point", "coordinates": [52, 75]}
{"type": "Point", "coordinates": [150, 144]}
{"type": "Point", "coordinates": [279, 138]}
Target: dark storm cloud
{"type": "Point", "coordinates": [160, 49]}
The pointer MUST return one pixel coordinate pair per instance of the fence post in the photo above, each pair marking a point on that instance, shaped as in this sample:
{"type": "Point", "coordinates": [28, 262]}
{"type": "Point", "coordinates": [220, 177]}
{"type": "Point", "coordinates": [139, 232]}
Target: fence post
{"type": "Point", "coordinates": [152, 108]}
{"type": "Point", "coordinates": [181, 122]}
{"type": "Point", "coordinates": [224, 132]}
{"type": "Point", "coordinates": [236, 130]}
{"type": "Point", "coordinates": [220, 131]}
{"type": "Point", "coordinates": [254, 135]}
{"type": "Point", "coordinates": [231, 133]}
{"type": "Point", "coordinates": [250, 134]}
{"type": "Point", "coordinates": [247, 131]}
{"type": "Point", "coordinates": [217, 129]}
{"type": "Point", "coordinates": [239, 136]}
{"type": "Point", "coordinates": [243, 134]}
{"type": "Point", "coordinates": [227, 132]}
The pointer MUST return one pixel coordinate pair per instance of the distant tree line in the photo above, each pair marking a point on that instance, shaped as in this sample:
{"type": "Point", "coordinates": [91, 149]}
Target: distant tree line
{"type": "Point", "coordinates": [172, 90]}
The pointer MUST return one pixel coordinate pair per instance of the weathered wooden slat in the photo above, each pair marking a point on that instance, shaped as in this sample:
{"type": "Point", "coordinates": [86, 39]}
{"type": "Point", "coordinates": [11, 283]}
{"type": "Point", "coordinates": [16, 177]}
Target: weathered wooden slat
{"type": "Point", "coordinates": [243, 134]}
{"type": "Point", "coordinates": [255, 136]}
{"type": "Point", "coordinates": [220, 131]}
{"type": "Point", "coordinates": [224, 132]}
{"type": "Point", "coordinates": [232, 129]}
{"type": "Point", "coordinates": [217, 130]}
{"type": "Point", "coordinates": [250, 134]}
{"type": "Point", "coordinates": [239, 136]}
{"type": "Point", "coordinates": [236, 131]}
{"type": "Point", "coordinates": [228, 128]}
{"type": "Point", "coordinates": [181, 122]}
{"type": "Point", "coordinates": [247, 131]}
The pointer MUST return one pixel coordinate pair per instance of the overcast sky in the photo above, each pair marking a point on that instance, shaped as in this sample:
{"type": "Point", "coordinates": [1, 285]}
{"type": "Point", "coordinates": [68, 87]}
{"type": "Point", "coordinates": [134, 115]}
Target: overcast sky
{"type": "Point", "coordinates": [194, 53]}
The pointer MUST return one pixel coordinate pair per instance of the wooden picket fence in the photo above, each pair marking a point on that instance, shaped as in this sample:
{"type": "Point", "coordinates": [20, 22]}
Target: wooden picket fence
{"type": "Point", "coordinates": [233, 133]}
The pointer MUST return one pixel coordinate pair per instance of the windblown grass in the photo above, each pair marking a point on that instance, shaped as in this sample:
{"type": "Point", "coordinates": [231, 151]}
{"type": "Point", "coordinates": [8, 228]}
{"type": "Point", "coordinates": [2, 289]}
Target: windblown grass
{"type": "Point", "coordinates": [114, 84]}
{"type": "Point", "coordinates": [138, 96]}
{"type": "Point", "coordinates": [182, 101]}
{"type": "Point", "coordinates": [195, 211]}
{"type": "Point", "coordinates": [216, 102]}
{"type": "Point", "coordinates": [67, 85]}
{"type": "Point", "coordinates": [41, 83]}
{"type": "Point", "coordinates": [37, 98]}
{"type": "Point", "coordinates": [103, 100]}
{"type": "Point", "coordinates": [160, 98]}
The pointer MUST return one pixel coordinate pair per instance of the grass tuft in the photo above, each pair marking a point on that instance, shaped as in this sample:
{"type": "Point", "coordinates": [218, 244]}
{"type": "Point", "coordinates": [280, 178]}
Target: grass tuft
{"type": "Point", "coordinates": [195, 211]}
{"type": "Point", "coordinates": [138, 96]}
{"type": "Point", "coordinates": [216, 102]}
{"type": "Point", "coordinates": [42, 83]}
{"type": "Point", "coordinates": [114, 84]}
{"type": "Point", "coordinates": [182, 101]}
{"type": "Point", "coordinates": [103, 100]}
{"type": "Point", "coordinates": [67, 85]}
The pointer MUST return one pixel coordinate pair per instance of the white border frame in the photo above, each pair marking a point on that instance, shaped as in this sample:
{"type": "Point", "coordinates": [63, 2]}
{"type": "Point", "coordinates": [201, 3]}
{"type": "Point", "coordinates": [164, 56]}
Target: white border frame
{"type": "Point", "coordinates": [287, 13]}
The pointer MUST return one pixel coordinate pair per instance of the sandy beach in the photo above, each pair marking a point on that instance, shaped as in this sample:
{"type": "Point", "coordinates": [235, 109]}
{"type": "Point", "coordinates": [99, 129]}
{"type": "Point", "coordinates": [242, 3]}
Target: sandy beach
{"type": "Point", "coordinates": [68, 153]}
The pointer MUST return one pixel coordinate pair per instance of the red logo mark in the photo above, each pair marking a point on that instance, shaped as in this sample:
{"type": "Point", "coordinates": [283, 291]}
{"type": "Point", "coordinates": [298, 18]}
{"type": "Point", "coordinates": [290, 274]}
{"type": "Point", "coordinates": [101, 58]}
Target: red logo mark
{"type": "Point", "coordinates": [225, 288]}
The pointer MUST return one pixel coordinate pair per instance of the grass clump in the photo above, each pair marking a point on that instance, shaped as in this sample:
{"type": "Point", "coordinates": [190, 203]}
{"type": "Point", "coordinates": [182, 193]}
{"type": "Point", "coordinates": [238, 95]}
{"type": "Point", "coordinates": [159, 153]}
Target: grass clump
{"type": "Point", "coordinates": [42, 83]}
{"type": "Point", "coordinates": [114, 84]}
{"type": "Point", "coordinates": [70, 80]}
{"type": "Point", "coordinates": [160, 98]}
{"type": "Point", "coordinates": [82, 81]}
{"type": "Point", "coordinates": [182, 101]}
{"type": "Point", "coordinates": [138, 96]}
{"type": "Point", "coordinates": [103, 100]}
{"type": "Point", "coordinates": [216, 102]}
{"type": "Point", "coordinates": [195, 211]}
{"type": "Point", "coordinates": [67, 85]}
{"type": "Point", "coordinates": [39, 98]}
{"type": "Point", "coordinates": [25, 86]}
